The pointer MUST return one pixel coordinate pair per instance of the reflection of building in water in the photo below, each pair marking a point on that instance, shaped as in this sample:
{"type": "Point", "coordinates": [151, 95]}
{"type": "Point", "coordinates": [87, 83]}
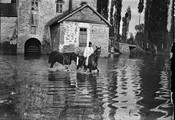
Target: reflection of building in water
{"type": "Point", "coordinates": [33, 101]}
{"type": "Point", "coordinates": [39, 100]}
{"type": "Point", "coordinates": [9, 90]}
{"type": "Point", "coordinates": [83, 104]}
{"type": "Point", "coordinates": [58, 99]}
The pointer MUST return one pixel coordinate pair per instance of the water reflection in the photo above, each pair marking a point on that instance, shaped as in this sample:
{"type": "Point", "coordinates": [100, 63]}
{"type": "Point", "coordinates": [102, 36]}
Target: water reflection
{"type": "Point", "coordinates": [124, 85]}
{"type": "Point", "coordinates": [127, 88]}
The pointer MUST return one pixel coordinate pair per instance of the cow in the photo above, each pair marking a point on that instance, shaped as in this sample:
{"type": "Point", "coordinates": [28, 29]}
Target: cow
{"type": "Point", "coordinates": [62, 58]}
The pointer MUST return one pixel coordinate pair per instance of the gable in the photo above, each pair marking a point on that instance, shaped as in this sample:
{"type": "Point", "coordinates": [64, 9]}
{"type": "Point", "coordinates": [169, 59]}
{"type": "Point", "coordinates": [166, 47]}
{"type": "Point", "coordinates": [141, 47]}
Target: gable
{"type": "Point", "coordinates": [82, 14]}
{"type": "Point", "coordinates": [86, 15]}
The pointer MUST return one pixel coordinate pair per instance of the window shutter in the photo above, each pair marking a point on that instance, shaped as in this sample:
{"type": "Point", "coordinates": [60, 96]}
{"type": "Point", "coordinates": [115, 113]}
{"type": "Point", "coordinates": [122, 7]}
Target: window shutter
{"type": "Point", "coordinates": [83, 37]}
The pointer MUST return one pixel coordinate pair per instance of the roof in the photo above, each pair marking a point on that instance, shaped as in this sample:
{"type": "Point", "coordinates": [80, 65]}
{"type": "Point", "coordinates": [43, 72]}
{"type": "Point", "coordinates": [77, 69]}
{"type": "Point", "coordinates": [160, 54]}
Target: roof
{"type": "Point", "coordinates": [68, 14]}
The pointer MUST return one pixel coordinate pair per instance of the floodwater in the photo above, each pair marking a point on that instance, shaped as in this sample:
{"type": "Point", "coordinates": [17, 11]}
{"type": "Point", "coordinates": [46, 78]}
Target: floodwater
{"type": "Point", "coordinates": [127, 88]}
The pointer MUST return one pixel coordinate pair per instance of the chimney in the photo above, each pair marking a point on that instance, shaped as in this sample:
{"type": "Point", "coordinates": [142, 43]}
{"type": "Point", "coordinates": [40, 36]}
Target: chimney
{"type": "Point", "coordinates": [70, 5]}
{"type": "Point", "coordinates": [83, 3]}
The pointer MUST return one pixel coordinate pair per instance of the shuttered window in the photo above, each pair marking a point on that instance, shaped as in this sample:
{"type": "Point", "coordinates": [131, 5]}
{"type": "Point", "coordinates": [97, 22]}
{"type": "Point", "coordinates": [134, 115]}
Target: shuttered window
{"type": "Point", "coordinates": [83, 37]}
{"type": "Point", "coordinates": [59, 6]}
{"type": "Point", "coordinates": [35, 5]}
{"type": "Point", "coordinates": [33, 29]}
{"type": "Point", "coordinates": [34, 16]}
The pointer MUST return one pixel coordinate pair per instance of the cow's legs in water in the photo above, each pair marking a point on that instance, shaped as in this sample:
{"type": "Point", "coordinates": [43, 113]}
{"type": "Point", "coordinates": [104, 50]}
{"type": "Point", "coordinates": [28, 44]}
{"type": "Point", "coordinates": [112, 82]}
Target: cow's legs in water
{"type": "Point", "coordinates": [67, 67]}
{"type": "Point", "coordinates": [90, 70]}
{"type": "Point", "coordinates": [51, 65]}
{"type": "Point", "coordinates": [77, 67]}
{"type": "Point", "coordinates": [85, 68]}
{"type": "Point", "coordinates": [97, 70]}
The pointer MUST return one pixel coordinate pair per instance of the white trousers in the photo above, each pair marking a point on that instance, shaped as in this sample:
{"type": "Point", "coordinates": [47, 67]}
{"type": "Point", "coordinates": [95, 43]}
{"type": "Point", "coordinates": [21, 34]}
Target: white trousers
{"type": "Point", "coordinates": [87, 61]}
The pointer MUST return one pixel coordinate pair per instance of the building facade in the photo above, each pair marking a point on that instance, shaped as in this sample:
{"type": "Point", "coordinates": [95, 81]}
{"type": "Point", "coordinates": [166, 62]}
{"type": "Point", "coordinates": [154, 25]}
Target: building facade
{"type": "Point", "coordinates": [8, 25]}
{"type": "Point", "coordinates": [32, 27]}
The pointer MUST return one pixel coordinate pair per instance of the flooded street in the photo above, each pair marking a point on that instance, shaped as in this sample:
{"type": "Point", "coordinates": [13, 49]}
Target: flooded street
{"type": "Point", "coordinates": [127, 88]}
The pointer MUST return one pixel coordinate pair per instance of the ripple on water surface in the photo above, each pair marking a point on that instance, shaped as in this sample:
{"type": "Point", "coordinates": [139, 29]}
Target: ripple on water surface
{"type": "Point", "coordinates": [126, 88]}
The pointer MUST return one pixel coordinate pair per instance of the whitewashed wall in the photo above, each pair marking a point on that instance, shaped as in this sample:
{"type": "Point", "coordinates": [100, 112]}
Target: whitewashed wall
{"type": "Point", "coordinates": [98, 34]}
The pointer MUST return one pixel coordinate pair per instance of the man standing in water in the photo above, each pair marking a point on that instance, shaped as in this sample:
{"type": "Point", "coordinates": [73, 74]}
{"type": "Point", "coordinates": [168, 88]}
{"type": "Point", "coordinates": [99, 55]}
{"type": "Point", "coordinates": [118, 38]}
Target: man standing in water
{"type": "Point", "coordinates": [87, 52]}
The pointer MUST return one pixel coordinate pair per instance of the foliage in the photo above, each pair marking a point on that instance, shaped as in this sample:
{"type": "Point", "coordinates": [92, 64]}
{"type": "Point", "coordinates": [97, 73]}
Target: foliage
{"type": "Point", "coordinates": [131, 39]}
{"type": "Point", "coordinates": [172, 19]}
{"type": "Point", "coordinates": [140, 28]}
{"type": "Point", "coordinates": [116, 18]}
{"type": "Point", "coordinates": [156, 17]}
{"type": "Point", "coordinates": [139, 38]}
{"type": "Point", "coordinates": [140, 6]}
{"type": "Point", "coordinates": [102, 7]}
{"type": "Point", "coordinates": [126, 19]}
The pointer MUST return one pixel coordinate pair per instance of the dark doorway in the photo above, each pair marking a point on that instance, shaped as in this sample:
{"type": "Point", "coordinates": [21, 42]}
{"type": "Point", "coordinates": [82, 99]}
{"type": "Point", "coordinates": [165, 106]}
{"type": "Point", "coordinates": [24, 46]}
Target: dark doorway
{"type": "Point", "coordinates": [32, 48]}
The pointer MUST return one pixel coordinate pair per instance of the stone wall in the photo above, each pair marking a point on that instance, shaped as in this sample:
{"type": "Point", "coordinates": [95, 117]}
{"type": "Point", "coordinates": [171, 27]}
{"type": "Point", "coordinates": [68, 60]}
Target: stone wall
{"type": "Point", "coordinates": [99, 35]}
{"type": "Point", "coordinates": [8, 25]}
{"type": "Point", "coordinates": [47, 11]}
{"type": "Point", "coordinates": [68, 36]}
{"type": "Point", "coordinates": [8, 28]}
{"type": "Point", "coordinates": [23, 24]}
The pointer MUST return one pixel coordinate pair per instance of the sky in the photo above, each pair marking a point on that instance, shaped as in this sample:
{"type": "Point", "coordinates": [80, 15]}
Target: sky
{"type": "Point", "coordinates": [135, 16]}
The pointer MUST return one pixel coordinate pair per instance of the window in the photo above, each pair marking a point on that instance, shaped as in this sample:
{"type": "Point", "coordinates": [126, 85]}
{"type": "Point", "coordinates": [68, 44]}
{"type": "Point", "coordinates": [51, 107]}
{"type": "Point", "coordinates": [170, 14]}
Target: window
{"type": "Point", "coordinates": [34, 12]}
{"type": "Point", "coordinates": [34, 16]}
{"type": "Point", "coordinates": [83, 37]}
{"type": "Point", "coordinates": [33, 29]}
{"type": "Point", "coordinates": [59, 6]}
{"type": "Point", "coordinates": [34, 5]}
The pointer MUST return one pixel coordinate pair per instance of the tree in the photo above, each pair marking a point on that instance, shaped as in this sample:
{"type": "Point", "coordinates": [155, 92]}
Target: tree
{"type": "Point", "coordinates": [172, 20]}
{"type": "Point", "coordinates": [156, 16]}
{"type": "Point", "coordinates": [139, 28]}
{"type": "Point", "coordinates": [131, 39]}
{"type": "Point", "coordinates": [126, 19]}
{"type": "Point", "coordinates": [140, 36]}
{"type": "Point", "coordinates": [140, 8]}
{"type": "Point", "coordinates": [102, 7]}
{"type": "Point", "coordinates": [117, 18]}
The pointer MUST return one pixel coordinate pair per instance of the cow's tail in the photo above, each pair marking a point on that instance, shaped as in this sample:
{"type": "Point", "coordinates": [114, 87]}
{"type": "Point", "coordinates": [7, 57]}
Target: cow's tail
{"type": "Point", "coordinates": [50, 59]}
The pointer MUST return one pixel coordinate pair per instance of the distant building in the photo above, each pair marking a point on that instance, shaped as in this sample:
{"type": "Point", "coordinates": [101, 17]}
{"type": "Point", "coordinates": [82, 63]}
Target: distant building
{"type": "Point", "coordinates": [45, 25]}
